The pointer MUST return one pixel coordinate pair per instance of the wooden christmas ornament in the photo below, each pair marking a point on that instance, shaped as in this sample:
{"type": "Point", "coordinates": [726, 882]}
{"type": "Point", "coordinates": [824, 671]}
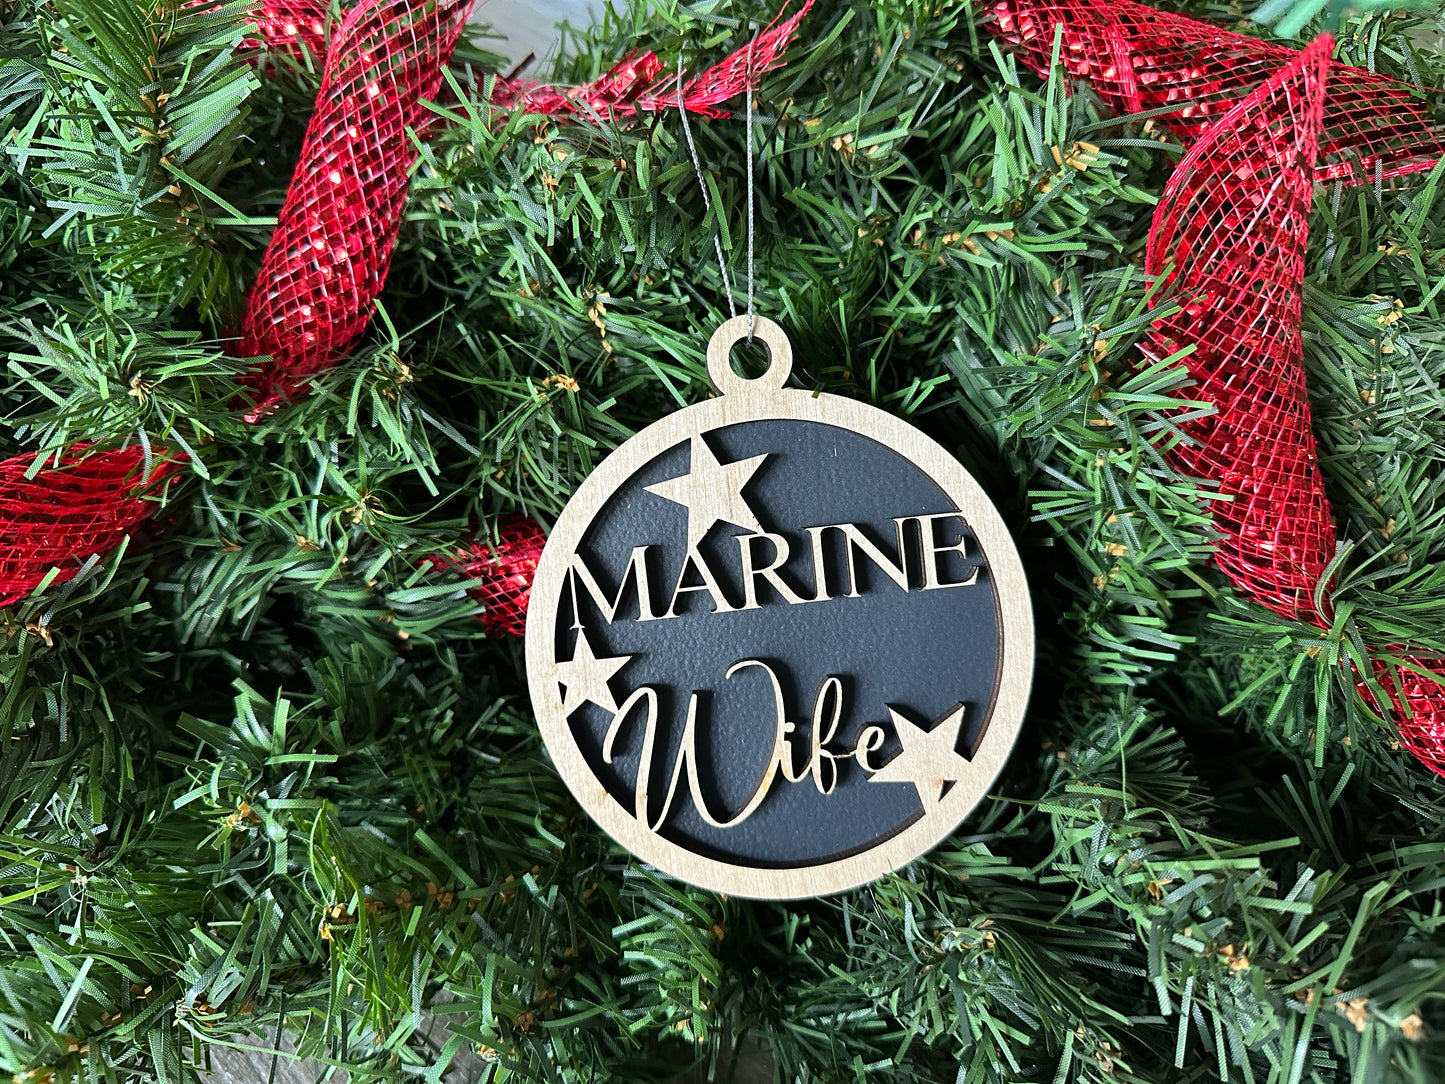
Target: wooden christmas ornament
{"type": "Point", "coordinates": [779, 642]}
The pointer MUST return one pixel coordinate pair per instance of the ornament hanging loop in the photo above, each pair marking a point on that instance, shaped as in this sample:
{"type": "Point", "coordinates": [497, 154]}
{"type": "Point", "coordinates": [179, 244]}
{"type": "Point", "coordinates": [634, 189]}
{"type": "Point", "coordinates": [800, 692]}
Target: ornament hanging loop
{"type": "Point", "coordinates": [729, 334]}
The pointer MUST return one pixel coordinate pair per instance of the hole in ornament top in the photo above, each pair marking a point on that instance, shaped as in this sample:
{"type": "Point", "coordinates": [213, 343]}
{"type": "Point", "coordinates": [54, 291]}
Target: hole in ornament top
{"type": "Point", "coordinates": [749, 360]}
{"type": "Point", "coordinates": [730, 342]}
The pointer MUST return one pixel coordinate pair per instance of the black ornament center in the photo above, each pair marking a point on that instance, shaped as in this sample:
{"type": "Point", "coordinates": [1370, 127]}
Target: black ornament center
{"type": "Point", "coordinates": [920, 652]}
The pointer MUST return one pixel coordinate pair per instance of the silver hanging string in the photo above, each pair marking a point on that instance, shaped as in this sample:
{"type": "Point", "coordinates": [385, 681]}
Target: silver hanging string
{"type": "Point", "coordinates": [748, 83]}
{"type": "Point", "coordinates": [706, 199]}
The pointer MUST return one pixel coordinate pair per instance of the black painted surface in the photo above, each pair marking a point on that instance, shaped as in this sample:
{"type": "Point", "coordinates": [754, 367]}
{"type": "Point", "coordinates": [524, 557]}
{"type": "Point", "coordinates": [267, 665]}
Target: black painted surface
{"type": "Point", "coordinates": [920, 652]}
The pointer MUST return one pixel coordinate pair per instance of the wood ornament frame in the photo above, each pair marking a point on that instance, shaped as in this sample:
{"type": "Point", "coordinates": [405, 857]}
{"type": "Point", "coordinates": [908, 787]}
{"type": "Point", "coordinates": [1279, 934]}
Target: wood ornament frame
{"type": "Point", "coordinates": [766, 398]}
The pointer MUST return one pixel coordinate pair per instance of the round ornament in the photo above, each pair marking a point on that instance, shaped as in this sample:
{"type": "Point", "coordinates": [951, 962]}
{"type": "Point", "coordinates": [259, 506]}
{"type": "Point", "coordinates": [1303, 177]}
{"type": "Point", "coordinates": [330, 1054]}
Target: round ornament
{"type": "Point", "coordinates": [779, 643]}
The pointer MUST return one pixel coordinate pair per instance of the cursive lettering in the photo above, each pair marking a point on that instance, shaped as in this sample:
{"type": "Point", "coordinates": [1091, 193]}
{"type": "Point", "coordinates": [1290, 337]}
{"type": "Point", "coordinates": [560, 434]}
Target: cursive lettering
{"type": "Point", "coordinates": [821, 764]}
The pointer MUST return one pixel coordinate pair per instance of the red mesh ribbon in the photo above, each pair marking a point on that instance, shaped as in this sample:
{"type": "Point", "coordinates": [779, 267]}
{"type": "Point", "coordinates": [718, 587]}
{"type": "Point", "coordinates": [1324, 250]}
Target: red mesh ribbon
{"type": "Point", "coordinates": [1229, 233]}
{"type": "Point", "coordinates": [86, 505]}
{"type": "Point", "coordinates": [1422, 726]}
{"type": "Point", "coordinates": [1137, 59]}
{"type": "Point", "coordinates": [611, 95]}
{"type": "Point", "coordinates": [1229, 236]}
{"type": "Point", "coordinates": [292, 26]}
{"type": "Point", "coordinates": [730, 76]}
{"type": "Point", "coordinates": [506, 573]}
{"type": "Point", "coordinates": [628, 88]}
{"type": "Point", "coordinates": [328, 258]}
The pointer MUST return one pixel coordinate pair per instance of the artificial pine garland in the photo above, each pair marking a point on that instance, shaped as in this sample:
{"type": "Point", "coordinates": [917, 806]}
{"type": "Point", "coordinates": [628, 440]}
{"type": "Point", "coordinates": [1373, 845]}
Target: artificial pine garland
{"type": "Point", "coordinates": [264, 770]}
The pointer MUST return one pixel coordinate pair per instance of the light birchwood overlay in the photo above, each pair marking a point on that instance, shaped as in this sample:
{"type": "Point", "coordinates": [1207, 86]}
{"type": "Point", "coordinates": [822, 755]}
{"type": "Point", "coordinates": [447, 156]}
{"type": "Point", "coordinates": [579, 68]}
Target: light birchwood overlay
{"type": "Point", "coordinates": [744, 400]}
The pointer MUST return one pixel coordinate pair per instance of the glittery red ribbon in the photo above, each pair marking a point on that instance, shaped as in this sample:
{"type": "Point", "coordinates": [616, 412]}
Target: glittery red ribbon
{"type": "Point", "coordinates": [1138, 58]}
{"type": "Point", "coordinates": [1418, 708]}
{"type": "Point", "coordinates": [629, 87]}
{"type": "Point", "coordinates": [611, 95]}
{"type": "Point", "coordinates": [327, 261]}
{"type": "Point", "coordinates": [1229, 238]}
{"type": "Point", "coordinates": [506, 570]}
{"type": "Point", "coordinates": [294, 27]}
{"type": "Point", "coordinates": [84, 505]}
{"type": "Point", "coordinates": [328, 258]}
{"type": "Point", "coordinates": [731, 76]}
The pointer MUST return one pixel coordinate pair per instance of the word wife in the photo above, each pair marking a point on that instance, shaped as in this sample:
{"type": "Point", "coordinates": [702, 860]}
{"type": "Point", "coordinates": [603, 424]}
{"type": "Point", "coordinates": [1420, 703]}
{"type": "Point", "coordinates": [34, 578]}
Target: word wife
{"type": "Point", "coordinates": [821, 762]}
{"type": "Point", "coordinates": [766, 568]}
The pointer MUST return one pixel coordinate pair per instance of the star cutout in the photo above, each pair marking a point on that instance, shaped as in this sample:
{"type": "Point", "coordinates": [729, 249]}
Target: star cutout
{"type": "Point", "coordinates": [712, 491]}
{"type": "Point", "coordinates": [586, 677]}
{"type": "Point", "coordinates": [928, 758]}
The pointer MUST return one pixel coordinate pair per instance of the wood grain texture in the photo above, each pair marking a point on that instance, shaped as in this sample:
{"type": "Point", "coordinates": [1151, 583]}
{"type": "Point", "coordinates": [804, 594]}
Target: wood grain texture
{"type": "Point", "coordinates": [742, 401]}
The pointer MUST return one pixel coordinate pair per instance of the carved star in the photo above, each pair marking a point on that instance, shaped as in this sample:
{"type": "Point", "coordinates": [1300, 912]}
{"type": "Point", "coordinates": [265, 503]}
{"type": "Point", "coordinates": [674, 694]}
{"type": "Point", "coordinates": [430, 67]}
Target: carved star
{"type": "Point", "coordinates": [928, 758]}
{"type": "Point", "coordinates": [712, 491]}
{"type": "Point", "coordinates": [586, 677]}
